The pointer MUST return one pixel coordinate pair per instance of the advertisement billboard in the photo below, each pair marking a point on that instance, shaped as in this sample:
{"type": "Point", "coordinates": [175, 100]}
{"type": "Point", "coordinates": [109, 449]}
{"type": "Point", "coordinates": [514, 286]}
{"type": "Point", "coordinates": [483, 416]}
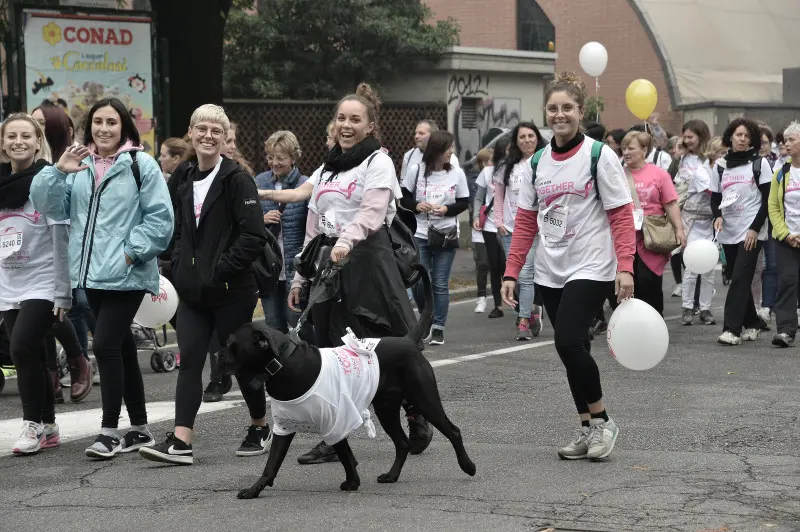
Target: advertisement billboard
{"type": "Point", "coordinates": [79, 59]}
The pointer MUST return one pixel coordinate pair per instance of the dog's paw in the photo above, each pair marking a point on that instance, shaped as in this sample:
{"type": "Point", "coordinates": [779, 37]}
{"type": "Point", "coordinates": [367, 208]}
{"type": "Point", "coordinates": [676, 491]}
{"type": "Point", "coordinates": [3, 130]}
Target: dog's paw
{"type": "Point", "coordinates": [350, 485]}
{"type": "Point", "coordinates": [249, 493]}
{"type": "Point", "coordinates": [387, 478]}
{"type": "Point", "coordinates": [467, 466]}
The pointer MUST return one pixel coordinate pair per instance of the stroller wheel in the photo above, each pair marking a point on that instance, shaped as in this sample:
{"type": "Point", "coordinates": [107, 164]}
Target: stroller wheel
{"type": "Point", "coordinates": [168, 361]}
{"type": "Point", "coordinates": [156, 363]}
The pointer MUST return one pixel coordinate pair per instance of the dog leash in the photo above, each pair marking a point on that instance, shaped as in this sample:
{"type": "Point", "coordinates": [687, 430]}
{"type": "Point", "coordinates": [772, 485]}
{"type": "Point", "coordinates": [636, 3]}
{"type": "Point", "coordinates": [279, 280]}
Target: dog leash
{"type": "Point", "coordinates": [328, 272]}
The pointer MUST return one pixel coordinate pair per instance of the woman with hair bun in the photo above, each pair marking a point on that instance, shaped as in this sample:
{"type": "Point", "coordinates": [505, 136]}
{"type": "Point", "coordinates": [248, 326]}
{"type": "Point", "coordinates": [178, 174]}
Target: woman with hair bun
{"type": "Point", "coordinates": [353, 201]}
{"type": "Point", "coordinates": [577, 193]}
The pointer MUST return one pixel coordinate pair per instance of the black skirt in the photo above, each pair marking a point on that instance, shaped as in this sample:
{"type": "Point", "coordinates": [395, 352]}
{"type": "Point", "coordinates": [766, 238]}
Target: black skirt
{"type": "Point", "coordinates": [374, 302]}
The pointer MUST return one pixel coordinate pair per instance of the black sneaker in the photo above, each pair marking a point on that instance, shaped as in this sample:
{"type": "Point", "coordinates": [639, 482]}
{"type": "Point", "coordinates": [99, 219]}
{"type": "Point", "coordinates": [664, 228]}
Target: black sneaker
{"type": "Point", "coordinates": [135, 440]}
{"type": "Point", "coordinates": [216, 389]}
{"type": "Point", "coordinates": [256, 442]}
{"type": "Point", "coordinates": [420, 434]}
{"type": "Point", "coordinates": [437, 337]}
{"type": "Point", "coordinates": [104, 447]}
{"type": "Point", "coordinates": [600, 327]}
{"type": "Point", "coordinates": [320, 454]}
{"type": "Point", "coordinates": [170, 451]}
{"type": "Point", "coordinates": [496, 313]}
{"type": "Point", "coordinates": [783, 340]}
{"type": "Point", "coordinates": [706, 318]}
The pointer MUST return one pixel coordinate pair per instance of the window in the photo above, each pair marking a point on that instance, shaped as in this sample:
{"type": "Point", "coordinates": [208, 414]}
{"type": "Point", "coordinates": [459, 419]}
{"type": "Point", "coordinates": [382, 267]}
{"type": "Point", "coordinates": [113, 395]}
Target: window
{"type": "Point", "coordinates": [469, 113]}
{"type": "Point", "coordinates": [535, 32]}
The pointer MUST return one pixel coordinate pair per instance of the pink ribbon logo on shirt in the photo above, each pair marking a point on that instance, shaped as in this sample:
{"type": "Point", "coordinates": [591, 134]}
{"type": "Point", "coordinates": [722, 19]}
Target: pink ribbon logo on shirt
{"type": "Point", "coordinates": [334, 186]}
{"type": "Point", "coordinates": [11, 214]}
{"type": "Point", "coordinates": [570, 190]}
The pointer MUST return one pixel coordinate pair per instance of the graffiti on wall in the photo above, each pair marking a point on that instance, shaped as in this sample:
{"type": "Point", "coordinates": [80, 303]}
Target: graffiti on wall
{"type": "Point", "coordinates": [473, 112]}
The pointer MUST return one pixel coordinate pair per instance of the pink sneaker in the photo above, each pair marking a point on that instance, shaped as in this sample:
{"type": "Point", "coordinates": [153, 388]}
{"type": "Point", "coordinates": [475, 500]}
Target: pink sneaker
{"type": "Point", "coordinates": [524, 332]}
{"type": "Point", "coordinates": [51, 436]}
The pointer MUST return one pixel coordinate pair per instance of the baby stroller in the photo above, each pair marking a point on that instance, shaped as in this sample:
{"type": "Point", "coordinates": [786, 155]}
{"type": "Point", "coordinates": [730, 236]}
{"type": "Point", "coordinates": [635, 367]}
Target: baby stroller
{"type": "Point", "coordinates": [162, 360]}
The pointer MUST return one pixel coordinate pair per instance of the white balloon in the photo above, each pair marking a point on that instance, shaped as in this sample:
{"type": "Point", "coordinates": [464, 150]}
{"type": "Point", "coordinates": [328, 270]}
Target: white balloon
{"type": "Point", "coordinates": [593, 58]}
{"type": "Point", "coordinates": [637, 335]}
{"type": "Point", "coordinates": [701, 256]}
{"type": "Point", "coordinates": [156, 310]}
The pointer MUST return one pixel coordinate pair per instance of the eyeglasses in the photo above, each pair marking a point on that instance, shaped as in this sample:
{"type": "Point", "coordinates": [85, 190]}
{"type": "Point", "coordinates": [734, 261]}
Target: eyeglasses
{"type": "Point", "coordinates": [216, 133]}
{"type": "Point", "coordinates": [279, 160]}
{"type": "Point", "coordinates": [566, 109]}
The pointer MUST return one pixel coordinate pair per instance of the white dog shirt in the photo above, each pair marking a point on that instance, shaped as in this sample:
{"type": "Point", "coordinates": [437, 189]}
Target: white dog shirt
{"type": "Point", "coordinates": [338, 402]}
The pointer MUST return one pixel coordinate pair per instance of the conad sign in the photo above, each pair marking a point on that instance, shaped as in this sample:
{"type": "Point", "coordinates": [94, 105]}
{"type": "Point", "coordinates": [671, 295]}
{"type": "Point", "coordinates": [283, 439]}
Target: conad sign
{"type": "Point", "coordinates": [93, 35]}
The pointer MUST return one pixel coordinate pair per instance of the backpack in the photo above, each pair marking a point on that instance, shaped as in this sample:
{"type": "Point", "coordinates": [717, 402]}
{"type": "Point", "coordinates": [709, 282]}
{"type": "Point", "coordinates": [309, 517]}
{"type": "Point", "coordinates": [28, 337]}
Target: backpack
{"type": "Point", "coordinates": [597, 147]}
{"type": "Point", "coordinates": [137, 175]}
{"type": "Point", "coordinates": [756, 171]}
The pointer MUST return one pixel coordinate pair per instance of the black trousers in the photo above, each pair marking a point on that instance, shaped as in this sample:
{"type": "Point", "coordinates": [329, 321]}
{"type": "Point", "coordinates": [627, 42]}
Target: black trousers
{"type": "Point", "coordinates": [676, 262]}
{"type": "Point", "coordinates": [497, 265]}
{"type": "Point", "coordinates": [117, 358]}
{"type": "Point", "coordinates": [481, 266]}
{"type": "Point", "coordinates": [740, 308]}
{"type": "Point", "coordinates": [571, 310]}
{"type": "Point", "coordinates": [787, 259]}
{"type": "Point", "coordinates": [64, 332]}
{"type": "Point", "coordinates": [195, 327]}
{"type": "Point", "coordinates": [27, 328]}
{"type": "Point", "coordinates": [647, 286]}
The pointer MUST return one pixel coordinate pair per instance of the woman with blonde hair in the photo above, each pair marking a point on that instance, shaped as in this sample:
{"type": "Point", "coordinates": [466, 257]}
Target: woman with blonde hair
{"type": "Point", "coordinates": [173, 151]}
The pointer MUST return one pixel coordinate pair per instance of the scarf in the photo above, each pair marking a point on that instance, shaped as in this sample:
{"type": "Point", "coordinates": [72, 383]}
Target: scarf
{"type": "Point", "coordinates": [339, 161]}
{"type": "Point", "coordinates": [16, 188]}
{"type": "Point", "coordinates": [740, 158]}
{"type": "Point", "coordinates": [568, 146]}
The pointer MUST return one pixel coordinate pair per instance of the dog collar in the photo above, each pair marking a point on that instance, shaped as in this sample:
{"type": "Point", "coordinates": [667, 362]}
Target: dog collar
{"type": "Point", "coordinates": [273, 367]}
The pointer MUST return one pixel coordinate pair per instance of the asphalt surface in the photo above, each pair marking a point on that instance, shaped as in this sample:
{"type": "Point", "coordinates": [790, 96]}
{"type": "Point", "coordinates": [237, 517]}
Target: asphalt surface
{"type": "Point", "coordinates": [708, 441]}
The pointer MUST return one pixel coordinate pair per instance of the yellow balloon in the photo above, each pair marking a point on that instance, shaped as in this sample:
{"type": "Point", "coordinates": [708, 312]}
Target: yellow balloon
{"type": "Point", "coordinates": [641, 98]}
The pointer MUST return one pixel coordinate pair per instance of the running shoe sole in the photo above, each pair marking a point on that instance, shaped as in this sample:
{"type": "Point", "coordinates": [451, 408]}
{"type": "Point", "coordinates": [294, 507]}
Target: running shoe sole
{"type": "Point", "coordinates": [137, 446]}
{"type": "Point", "coordinates": [94, 453]}
{"type": "Point", "coordinates": [49, 443]}
{"type": "Point", "coordinates": [155, 456]}
{"type": "Point", "coordinates": [576, 457]}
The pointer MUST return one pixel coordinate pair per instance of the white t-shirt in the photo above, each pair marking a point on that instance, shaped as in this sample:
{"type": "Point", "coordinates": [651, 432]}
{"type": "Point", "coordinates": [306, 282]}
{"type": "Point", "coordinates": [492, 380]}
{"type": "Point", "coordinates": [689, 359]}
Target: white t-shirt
{"type": "Point", "coordinates": [741, 199]}
{"type": "Point", "coordinates": [484, 180]}
{"type": "Point", "coordinates": [26, 256]}
{"type": "Point", "coordinates": [791, 200]}
{"type": "Point", "coordinates": [511, 196]}
{"type": "Point", "coordinates": [414, 156]}
{"type": "Point", "coordinates": [337, 197]}
{"type": "Point", "coordinates": [576, 234]}
{"type": "Point", "coordinates": [664, 159]}
{"type": "Point", "coordinates": [338, 402]}
{"type": "Point", "coordinates": [439, 188]}
{"type": "Point", "coordinates": [697, 174]}
{"type": "Point", "coordinates": [200, 190]}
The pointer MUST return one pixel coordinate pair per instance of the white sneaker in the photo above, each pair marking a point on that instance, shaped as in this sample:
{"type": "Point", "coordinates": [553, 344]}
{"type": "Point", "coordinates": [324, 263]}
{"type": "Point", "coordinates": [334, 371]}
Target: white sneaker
{"type": "Point", "coordinates": [602, 438]}
{"type": "Point", "coordinates": [750, 335]}
{"type": "Point", "coordinates": [728, 338]}
{"type": "Point", "coordinates": [31, 439]}
{"type": "Point", "coordinates": [765, 314]}
{"type": "Point", "coordinates": [577, 449]}
{"type": "Point", "coordinates": [677, 291]}
{"type": "Point", "coordinates": [480, 305]}
{"type": "Point", "coordinates": [798, 317]}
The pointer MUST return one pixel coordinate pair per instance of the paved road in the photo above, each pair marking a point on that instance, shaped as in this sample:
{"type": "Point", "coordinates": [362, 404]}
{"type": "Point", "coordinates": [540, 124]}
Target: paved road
{"type": "Point", "coordinates": [708, 442]}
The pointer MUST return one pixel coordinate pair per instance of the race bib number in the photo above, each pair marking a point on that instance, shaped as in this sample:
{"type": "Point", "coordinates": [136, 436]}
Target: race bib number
{"type": "Point", "coordinates": [435, 196]}
{"type": "Point", "coordinates": [10, 243]}
{"type": "Point", "coordinates": [728, 199]}
{"type": "Point", "coordinates": [327, 223]}
{"type": "Point", "coordinates": [638, 219]}
{"type": "Point", "coordinates": [554, 222]}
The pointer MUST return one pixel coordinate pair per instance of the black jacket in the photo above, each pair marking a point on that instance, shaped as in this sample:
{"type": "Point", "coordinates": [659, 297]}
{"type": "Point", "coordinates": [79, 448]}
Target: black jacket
{"type": "Point", "coordinates": [212, 261]}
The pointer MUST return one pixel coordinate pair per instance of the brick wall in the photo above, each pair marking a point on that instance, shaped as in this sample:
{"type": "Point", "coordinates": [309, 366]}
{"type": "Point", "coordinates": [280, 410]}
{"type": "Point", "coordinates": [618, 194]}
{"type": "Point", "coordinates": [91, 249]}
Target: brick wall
{"type": "Point", "coordinates": [483, 24]}
{"type": "Point", "coordinates": [610, 22]}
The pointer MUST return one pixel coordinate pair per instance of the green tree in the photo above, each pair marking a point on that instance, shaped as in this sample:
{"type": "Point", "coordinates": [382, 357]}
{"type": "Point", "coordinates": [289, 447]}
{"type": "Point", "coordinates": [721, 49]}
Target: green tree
{"type": "Point", "coordinates": [312, 49]}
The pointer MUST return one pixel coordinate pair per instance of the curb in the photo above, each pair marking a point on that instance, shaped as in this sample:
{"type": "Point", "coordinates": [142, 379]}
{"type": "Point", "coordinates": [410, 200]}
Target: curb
{"type": "Point", "coordinates": [467, 292]}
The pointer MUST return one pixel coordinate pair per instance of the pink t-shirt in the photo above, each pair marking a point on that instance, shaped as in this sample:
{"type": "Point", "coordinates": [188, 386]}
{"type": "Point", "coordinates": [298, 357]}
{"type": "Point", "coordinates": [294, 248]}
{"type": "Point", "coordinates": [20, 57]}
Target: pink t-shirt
{"type": "Point", "coordinates": [654, 188]}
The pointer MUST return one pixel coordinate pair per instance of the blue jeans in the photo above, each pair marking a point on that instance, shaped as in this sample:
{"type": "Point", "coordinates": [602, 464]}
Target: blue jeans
{"type": "Point", "coordinates": [525, 281]}
{"type": "Point", "coordinates": [438, 262]}
{"type": "Point", "coordinates": [769, 277]}
{"type": "Point", "coordinates": [277, 314]}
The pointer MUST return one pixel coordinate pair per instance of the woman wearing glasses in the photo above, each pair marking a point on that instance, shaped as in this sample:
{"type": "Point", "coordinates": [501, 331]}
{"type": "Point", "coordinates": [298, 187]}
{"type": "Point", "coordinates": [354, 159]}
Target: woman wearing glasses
{"type": "Point", "coordinates": [286, 221]}
{"type": "Point", "coordinates": [587, 247]}
{"type": "Point", "coordinates": [219, 233]}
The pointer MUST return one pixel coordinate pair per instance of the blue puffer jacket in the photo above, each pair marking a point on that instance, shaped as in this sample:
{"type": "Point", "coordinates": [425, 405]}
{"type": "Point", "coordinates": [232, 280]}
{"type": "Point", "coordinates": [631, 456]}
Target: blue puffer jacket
{"type": "Point", "coordinates": [110, 220]}
{"type": "Point", "coordinates": [293, 220]}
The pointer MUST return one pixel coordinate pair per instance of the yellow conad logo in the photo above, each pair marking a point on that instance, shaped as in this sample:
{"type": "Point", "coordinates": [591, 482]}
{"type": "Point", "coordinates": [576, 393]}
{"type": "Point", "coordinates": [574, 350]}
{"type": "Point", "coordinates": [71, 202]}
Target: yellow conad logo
{"type": "Point", "coordinates": [51, 34]}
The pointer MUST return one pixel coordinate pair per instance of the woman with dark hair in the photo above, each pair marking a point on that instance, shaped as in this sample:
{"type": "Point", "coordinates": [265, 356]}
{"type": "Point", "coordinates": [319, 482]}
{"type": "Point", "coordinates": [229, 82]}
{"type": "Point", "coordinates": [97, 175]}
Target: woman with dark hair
{"type": "Point", "coordinates": [57, 126]}
{"type": "Point", "coordinates": [483, 205]}
{"type": "Point", "coordinates": [525, 141]}
{"type": "Point", "coordinates": [352, 203]}
{"type": "Point", "coordinates": [740, 184]}
{"type": "Point", "coordinates": [438, 193]}
{"type": "Point", "coordinates": [116, 233]}
{"type": "Point", "coordinates": [614, 141]}
{"type": "Point", "coordinates": [173, 151]}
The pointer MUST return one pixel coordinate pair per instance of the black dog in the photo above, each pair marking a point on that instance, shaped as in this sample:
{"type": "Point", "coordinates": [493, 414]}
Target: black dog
{"type": "Point", "coordinates": [292, 368]}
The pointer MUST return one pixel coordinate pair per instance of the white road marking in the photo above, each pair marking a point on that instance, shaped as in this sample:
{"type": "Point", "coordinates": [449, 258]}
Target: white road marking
{"type": "Point", "coordinates": [81, 424]}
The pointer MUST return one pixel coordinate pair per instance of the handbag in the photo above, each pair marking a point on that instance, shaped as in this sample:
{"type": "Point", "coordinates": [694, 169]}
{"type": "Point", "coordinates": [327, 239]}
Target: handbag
{"type": "Point", "coordinates": [438, 238]}
{"type": "Point", "coordinates": [484, 213]}
{"type": "Point", "coordinates": [404, 248]}
{"type": "Point", "coordinates": [658, 231]}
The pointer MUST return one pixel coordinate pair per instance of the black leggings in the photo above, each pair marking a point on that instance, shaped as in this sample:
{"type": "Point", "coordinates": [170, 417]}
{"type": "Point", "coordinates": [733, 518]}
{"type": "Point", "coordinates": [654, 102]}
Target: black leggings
{"type": "Point", "coordinates": [647, 285]}
{"type": "Point", "coordinates": [117, 358]}
{"type": "Point", "coordinates": [676, 262]}
{"type": "Point", "coordinates": [64, 332]}
{"type": "Point", "coordinates": [571, 310]}
{"type": "Point", "coordinates": [195, 327]}
{"type": "Point", "coordinates": [481, 266]}
{"type": "Point", "coordinates": [27, 328]}
{"type": "Point", "coordinates": [497, 265]}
